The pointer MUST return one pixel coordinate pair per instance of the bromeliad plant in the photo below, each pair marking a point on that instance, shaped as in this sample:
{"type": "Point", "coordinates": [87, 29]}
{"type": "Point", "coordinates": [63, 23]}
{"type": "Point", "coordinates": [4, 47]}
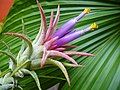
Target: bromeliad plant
{"type": "Point", "coordinates": [48, 44]}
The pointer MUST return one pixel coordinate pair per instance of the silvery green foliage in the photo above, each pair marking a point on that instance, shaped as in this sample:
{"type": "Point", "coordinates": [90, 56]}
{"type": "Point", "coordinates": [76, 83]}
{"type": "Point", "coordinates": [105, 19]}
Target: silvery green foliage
{"type": "Point", "coordinates": [7, 82]}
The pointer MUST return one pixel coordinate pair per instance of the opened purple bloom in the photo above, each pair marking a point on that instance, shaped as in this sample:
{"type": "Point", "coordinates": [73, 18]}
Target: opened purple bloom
{"type": "Point", "coordinates": [55, 40]}
{"type": "Point", "coordinates": [65, 33]}
{"type": "Point", "coordinates": [64, 29]}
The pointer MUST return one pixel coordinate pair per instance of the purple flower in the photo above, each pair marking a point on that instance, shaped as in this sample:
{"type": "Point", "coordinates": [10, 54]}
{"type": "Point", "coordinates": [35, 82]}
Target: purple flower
{"type": "Point", "coordinates": [54, 42]}
{"type": "Point", "coordinates": [65, 28]}
{"type": "Point", "coordinates": [74, 35]}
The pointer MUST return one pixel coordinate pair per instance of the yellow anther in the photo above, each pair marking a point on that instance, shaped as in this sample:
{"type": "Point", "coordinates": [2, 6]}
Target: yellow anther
{"type": "Point", "coordinates": [87, 10]}
{"type": "Point", "coordinates": [94, 26]}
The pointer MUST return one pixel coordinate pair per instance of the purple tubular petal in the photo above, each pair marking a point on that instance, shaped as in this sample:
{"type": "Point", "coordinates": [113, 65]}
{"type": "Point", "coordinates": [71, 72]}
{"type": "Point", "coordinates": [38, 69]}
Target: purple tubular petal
{"type": "Point", "coordinates": [68, 38]}
{"type": "Point", "coordinates": [72, 31]}
{"type": "Point", "coordinates": [65, 28]}
{"type": "Point", "coordinates": [80, 16]}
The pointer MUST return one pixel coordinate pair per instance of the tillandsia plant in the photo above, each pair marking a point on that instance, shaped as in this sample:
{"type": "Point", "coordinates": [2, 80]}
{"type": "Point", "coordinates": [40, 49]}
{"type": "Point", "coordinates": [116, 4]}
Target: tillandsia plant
{"type": "Point", "coordinates": [49, 43]}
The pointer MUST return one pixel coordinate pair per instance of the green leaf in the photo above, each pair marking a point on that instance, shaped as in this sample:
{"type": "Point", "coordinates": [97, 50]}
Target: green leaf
{"type": "Point", "coordinates": [34, 75]}
{"type": "Point", "coordinates": [63, 69]}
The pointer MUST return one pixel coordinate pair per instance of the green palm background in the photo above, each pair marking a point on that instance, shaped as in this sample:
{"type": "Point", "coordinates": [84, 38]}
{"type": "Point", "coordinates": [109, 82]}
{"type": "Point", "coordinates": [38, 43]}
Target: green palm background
{"type": "Point", "coordinates": [101, 72]}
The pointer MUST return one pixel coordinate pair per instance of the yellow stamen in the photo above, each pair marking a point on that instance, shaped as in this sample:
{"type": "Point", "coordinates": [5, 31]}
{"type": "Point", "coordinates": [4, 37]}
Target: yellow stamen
{"type": "Point", "coordinates": [94, 26]}
{"type": "Point", "coordinates": [87, 10]}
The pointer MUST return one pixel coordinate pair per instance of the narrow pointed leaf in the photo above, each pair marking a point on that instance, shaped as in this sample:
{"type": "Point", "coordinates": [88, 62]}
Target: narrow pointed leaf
{"type": "Point", "coordinates": [34, 75]}
{"type": "Point", "coordinates": [61, 66]}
